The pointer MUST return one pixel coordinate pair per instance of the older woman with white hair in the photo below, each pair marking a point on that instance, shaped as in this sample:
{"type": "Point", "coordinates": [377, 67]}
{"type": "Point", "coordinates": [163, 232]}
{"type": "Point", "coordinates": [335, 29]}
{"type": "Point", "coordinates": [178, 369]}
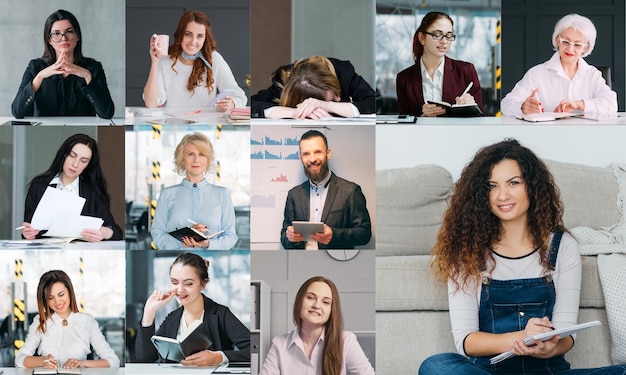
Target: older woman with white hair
{"type": "Point", "coordinates": [566, 82]}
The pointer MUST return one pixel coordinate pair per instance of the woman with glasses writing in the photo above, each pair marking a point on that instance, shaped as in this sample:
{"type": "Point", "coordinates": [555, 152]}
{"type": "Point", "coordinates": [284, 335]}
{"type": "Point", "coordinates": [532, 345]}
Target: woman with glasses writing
{"type": "Point", "coordinates": [565, 82]}
{"type": "Point", "coordinates": [434, 76]}
{"type": "Point", "coordinates": [63, 82]}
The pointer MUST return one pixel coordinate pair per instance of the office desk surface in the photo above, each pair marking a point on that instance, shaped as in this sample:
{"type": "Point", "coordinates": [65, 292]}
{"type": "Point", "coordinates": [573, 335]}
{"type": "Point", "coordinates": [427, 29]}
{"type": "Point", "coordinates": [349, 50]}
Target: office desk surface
{"type": "Point", "coordinates": [84, 371]}
{"type": "Point", "coordinates": [620, 119]}
{"type": "Point", "coordinates": [363, 120]}
{"type": "Point", "coordinates": [169, 368]}
{"type": "Point", "coordinates": [65, 120]}
{"type": "Point", "coordinates": [201, 116]}
{"type": "Point", "coordinates": [80, 245]}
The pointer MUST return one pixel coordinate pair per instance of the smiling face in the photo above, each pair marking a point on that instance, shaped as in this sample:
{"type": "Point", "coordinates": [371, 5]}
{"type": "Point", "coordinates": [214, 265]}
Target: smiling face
{"type": "Point", "coordinates": [194, 162]}
{"type": "Point", "coordinates": [432, 47]}
{"type": "Point", "coordinates": [572, 44]}
{"type": "Point", "coordinates": [314, 156]}
{"type": "Point", "coordinates": [59, 299]}
{"type": "Point", "coordinates": [508, 198]}
{"type": "Point", "coordinates": [67, 42]}
{"type": "Point", "coordinates": [316, 305]}
{"type": "Point", "coordinates": [75, 162]}
{"type": "Point", "coordinates": [193, 38]}
{"type": "Point", "coordinates": [186, 283]}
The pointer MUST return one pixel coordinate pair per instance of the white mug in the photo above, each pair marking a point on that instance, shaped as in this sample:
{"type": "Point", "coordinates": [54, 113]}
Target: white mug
{"type": "Point", "coordinates": [162, 43]}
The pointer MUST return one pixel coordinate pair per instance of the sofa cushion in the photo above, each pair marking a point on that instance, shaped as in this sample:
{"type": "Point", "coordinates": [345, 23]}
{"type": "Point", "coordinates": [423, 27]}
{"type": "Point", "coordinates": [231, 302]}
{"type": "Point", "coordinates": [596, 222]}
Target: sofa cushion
{"type": "Point", "coordinates": [589, 194]}
{"type": "Point", "coordinates": [405, 283]}
{"type": "Point", "coordinates": [409, 206]}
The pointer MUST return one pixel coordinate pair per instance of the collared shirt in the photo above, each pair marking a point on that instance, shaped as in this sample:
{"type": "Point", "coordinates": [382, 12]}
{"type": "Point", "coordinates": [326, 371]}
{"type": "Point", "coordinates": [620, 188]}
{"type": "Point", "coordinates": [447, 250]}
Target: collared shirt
{"type": "Point", "coordinates": [72, 187]}
{"type": "Point", "coordinates": [65, 342]}
{"type": "Point", "coordinates": [432, 87]}
{"type": "Point", "coordinates": [287, 356]}
{"type": "Point", "coordinates": [317, 199]}
{"type": "Point", "coordinates": [555, 86]}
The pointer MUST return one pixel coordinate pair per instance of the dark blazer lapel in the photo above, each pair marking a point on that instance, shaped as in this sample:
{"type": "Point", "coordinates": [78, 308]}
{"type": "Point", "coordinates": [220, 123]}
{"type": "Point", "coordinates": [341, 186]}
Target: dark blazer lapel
{"type": "Point", "coordinates": [449, 82]}
{"type": "Point", "coordinates": [171, 330]}
{"type": "Point", "coordinates": [419, 92]}
{"type": "Point", "coordinates": [210, 319]}
{"type": "Point", "coordinates": [305, 198]}
{"type": "Point", "coordinates": [330, 197]}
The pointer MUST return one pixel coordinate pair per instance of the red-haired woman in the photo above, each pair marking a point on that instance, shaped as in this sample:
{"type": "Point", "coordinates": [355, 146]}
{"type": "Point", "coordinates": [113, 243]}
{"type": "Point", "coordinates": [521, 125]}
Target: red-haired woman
{"type": "Point", "coordinates": [319, 345]}
{"type": "Point", "coordinates": [60, 335]}
{"type": "Point", "coordinates": [193, 73]}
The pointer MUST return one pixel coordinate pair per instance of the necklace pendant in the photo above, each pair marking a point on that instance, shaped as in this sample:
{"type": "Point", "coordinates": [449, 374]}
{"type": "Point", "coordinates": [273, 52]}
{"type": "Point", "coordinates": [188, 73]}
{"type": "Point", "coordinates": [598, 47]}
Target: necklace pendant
{"type": "Point", "coordinates": [64, 323]}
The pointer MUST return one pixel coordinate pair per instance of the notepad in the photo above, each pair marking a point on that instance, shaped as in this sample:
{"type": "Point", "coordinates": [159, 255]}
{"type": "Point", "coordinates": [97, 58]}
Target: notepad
{"type": "Point", "coordinates": [546, 116]}
{"type": "Point", "coordinates": [459, 110]}
{"type": "Point", "coordinates": [530, 340]}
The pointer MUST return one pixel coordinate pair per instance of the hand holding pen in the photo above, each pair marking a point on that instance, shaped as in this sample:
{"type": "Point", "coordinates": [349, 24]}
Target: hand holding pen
{"type": "Point", "coordinates": [532, 103]}
{"type": "Point", "coordinates": [49, 361]}
{"type": "Point", "coordinates": [537, 325]}
{"type": "Point", "coordinates": [466, 97]}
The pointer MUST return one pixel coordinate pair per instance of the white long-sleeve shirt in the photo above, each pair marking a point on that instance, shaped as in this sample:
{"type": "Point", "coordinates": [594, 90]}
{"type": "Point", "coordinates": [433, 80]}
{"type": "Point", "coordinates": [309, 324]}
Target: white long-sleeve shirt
{"type": "Point", "coordinates": [555, 86]}
{"type": "Point", "coordinates": [65, 342]}
{"type": "Point", "coordinates": [286, 356]}
{"type": "Point", "coordinates": [172, 84]}
{"type": "Point", "coordinates": [566, 276]}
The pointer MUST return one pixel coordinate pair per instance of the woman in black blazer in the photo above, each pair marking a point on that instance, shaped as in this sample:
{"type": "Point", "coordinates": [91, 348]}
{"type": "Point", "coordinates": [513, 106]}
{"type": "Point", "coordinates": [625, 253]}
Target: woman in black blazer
{"type": "Point", "coordinates": [189, 275]}
{"type": "Point", "coordinates": [63, 82]}
{"type": "Point", "coordinates": [75, 168]}
{"type": "Point", "coordinates": [315, 87]}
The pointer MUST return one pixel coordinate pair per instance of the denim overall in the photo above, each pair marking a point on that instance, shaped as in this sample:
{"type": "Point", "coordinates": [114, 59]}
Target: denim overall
{"type": "Point", "coordinates": [500, 305]}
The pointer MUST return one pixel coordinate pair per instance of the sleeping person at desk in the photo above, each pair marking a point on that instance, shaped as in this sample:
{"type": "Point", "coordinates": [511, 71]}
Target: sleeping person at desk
{"type": "Point", "coordinates": [194, 199]}
{"type": "Point", "coordinates": [189, 276]}
{"type": "Point", "coordinates": [315, 87]}
{"type": "Point", "coordinates": [76, 170]}
{"type": "Point", "coordinates": [191, 73]}
{"type": "Point", "coordinates": [566, 82]}
{"type": "Point", "coordinates": [435, 77]}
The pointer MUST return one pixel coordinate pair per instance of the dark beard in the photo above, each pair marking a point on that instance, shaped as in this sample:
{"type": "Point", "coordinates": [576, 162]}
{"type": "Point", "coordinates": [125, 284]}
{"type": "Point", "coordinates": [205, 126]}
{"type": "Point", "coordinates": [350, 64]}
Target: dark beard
{"type": "Point", "coordinates": [318, 176]}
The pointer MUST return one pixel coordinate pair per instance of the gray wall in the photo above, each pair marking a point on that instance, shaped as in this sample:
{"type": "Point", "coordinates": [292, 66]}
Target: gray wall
{"type": "Point", "coordinates": [230, 24]}
{"type": "Point", "coordinates": [285, 271]}
{"type": "Point", "coordinates": [102, 24]}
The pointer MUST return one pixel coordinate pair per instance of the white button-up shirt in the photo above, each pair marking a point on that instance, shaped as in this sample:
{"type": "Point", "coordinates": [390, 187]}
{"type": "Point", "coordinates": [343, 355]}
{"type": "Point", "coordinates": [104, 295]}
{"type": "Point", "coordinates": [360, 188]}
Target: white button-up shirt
{"type": "Point", "coordinates": [432, 88]}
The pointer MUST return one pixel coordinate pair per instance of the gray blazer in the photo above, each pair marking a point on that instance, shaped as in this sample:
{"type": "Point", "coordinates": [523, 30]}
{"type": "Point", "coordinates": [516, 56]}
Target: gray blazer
{"type": "Point", "coordinates": [345, 212]}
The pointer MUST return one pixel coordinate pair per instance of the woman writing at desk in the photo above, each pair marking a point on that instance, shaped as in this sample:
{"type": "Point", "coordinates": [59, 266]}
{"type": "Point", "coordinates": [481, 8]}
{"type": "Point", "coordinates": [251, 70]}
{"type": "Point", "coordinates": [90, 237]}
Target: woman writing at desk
{"type": "Point", "coordinates": [313, 88]}
{"type": "Point", "coordinates": [503, 250]}
{"type": "Point", "coordinates": [319, 345]}
{"type": "Point", "coordinates": [60, 335]}
{"type": "Point", "coordinates": [434, 76]}
{"type": "Point", "coordinates": [189, 276]}
{"type": "Point", "coordinates": [63, 82]}
{"type": "Point", "coordinates": [193, 72]}
{"type": "Point", "coordinates": [194, 201]}
{"type": "Point", "coordinates": [566, 82]}
{"type": "Point", "coordinates": [76, 170]}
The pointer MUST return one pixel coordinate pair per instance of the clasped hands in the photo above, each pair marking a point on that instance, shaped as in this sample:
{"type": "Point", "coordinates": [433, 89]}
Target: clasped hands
{"type": "Point", "coordinates": [50, 362]}
{"type": "Point", "coordinates": [533, 105]}
{"type": "Point", "coordinates": [323, 237]}
{"type": "Point", "coordinates": [65, 67]}
{"type": "Point", "coordinates": [541, 349]}
{"type": "Point", "coordinates": [434, 110]}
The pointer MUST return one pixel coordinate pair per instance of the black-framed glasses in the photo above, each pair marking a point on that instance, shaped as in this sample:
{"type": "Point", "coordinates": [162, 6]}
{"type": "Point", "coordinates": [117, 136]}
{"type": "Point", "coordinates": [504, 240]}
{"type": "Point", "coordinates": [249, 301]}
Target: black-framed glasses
{"type": "Point", "coordinates": [69, 34]}
{"type": "Point", "coordinates": [438, 35]}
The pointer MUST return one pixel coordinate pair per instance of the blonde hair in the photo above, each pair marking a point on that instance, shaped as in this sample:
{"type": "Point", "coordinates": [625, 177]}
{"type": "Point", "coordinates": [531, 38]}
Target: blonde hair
{"type": "Point", "coordinates": [202, 143]}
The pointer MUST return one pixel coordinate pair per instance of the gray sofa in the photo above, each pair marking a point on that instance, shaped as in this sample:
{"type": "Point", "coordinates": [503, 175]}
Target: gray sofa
{"type": "Point", "coordinates": [412, 320]}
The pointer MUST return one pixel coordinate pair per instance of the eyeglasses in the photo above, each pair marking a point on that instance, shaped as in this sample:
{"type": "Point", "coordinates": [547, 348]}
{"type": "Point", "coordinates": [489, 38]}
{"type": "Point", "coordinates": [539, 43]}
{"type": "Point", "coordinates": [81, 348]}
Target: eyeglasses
{"type": "Point", "coordinates": [567, 44]}
{"type": "Point", "coordinates": [438, 35]}
{"type": "Point", "coordinates": [57, 36]}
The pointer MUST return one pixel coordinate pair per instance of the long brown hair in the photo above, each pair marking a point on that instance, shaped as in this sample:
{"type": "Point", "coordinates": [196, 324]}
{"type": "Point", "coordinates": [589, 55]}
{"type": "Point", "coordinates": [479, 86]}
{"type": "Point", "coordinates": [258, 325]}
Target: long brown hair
{"type": "Point", "coordinates": [332, 356]}
{"type": "Point", "coordinates": [199, 67]}
{"type": "Point", "coordinates": [427, 21]}
{"type": "Point", "coordinates": [469, 230]}
{"type": "Point", "coordinates": [308, 78]}
{"type": "Point", "coordinates": [43, 292]}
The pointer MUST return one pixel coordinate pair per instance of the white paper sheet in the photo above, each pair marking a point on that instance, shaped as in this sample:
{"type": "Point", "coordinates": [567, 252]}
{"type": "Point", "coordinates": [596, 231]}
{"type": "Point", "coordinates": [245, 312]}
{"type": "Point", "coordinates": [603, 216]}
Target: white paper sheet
{"type": "Point", "coordinates": [53, 204]}
{"type": "Point", "coordinates": [71, 226]}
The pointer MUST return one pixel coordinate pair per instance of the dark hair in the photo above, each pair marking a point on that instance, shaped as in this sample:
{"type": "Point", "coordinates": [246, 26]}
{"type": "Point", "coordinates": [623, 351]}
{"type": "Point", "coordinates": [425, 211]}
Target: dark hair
{"type": "Point", "coordinates": [470, 229]}
{"type": "Point", "coordinates": [332, 357]}
{"type": "Point", "coordinates": [43, 292]}
{"type": "Point", "coordinates": [310, 78]}
{"type": "Point", "coordinates": [199, 67]}
{"type": "Point", "coordinates": [195, 261]}
{"type": "Point", "coordinates": [312, 134]}
{"type": "Point", "coordinates": [92, 174]}
{"type": "Point", "coordinates": [427, 21]}
{"type": "Point", "coordinates": [49, 54]}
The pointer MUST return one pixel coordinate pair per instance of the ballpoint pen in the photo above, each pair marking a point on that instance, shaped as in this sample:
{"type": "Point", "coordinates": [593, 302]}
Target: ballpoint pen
{"type": "Point", "coordinates": [468, 88]}
{"type": "Point", "coordinates": [521, 313]}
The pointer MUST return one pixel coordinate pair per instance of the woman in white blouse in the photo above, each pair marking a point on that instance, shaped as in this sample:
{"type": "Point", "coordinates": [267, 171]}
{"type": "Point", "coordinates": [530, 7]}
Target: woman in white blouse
{"type": "Point", "coordinates": [566, 82]}
{"type": "Point", "coordinates": [193, 72]}
{"type": "Point", "coordinates": [60, 335]}
{"type": "Point", "coordinates": [319, 345]}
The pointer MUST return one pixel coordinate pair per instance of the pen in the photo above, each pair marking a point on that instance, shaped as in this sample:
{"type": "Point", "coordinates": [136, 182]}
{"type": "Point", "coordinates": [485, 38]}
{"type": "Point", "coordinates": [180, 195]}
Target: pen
{"type": "Point", "coordinates": [521, 313]}
{"type": "Point", "coordinates": [20, 228]}
{"type": "Point", "coordinates": [193, 112]}
{"type": "Point", "coordinates": [468, 88]}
